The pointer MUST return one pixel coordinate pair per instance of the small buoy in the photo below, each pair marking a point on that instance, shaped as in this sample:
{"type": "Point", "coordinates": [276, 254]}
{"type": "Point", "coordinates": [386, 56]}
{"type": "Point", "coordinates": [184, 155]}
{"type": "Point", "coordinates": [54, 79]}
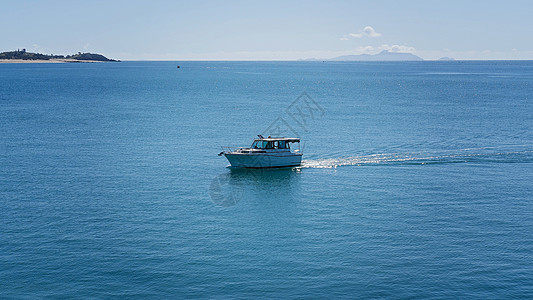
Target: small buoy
{"type": "Point", "coordinates": [178, 67]}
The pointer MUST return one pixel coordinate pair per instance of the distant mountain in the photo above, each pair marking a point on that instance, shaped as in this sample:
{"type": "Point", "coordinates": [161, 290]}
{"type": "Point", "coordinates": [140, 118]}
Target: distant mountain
{"type": "Point", "coordinates": [446, 58]}
{"type": "Point", "coordinates": [382, 56]}
{"type": "Point", "coordinates": [23, 55]}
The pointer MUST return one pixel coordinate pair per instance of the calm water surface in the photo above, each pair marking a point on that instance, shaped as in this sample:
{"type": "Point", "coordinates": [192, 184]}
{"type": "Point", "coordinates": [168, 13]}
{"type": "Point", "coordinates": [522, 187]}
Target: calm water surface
{"type": "Point", "coordinates": [416, 183]}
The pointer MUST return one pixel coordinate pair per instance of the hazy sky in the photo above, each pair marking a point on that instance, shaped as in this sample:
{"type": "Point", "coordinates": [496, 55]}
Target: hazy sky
{"type": "Point", "coordinates": [270, 29]}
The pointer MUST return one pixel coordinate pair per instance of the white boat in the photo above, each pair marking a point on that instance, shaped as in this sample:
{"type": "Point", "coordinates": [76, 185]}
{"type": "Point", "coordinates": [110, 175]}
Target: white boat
{"type": "Point", "coordinates": [265, 153]}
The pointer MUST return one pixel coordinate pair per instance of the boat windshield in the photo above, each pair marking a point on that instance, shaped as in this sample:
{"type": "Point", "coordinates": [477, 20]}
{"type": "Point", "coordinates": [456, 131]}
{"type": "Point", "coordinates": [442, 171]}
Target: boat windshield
{"type": "Point", "coordinates": [270, 145]}
{"type": "Point", "coordinates": [259, 144]}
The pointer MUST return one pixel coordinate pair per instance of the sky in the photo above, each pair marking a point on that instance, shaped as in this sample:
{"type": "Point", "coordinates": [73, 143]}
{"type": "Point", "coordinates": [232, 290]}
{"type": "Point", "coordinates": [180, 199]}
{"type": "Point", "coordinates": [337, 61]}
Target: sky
{"type": "Point", "coordinates": [269, 30]}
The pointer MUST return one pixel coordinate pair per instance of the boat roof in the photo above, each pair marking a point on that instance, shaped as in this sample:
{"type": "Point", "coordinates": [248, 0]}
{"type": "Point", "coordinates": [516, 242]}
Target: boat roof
{"type": "Point", "coordinates": [273, 139]}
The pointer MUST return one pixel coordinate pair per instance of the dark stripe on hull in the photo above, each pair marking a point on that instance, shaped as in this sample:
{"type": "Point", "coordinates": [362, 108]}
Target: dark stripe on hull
{"type": "Point", "coordinates": [278, 167]}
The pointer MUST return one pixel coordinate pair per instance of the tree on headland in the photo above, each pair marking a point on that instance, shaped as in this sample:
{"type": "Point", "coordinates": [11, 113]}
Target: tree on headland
{"type": "Point", "coordinates": [23, 55]}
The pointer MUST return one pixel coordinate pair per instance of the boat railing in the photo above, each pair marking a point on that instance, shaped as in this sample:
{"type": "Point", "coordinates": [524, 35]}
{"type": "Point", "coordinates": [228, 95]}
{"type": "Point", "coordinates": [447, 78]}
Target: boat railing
{"type": "Point", "coordinates": [226, 149]}
{"type": "Point", "coordinates": [230, 148]}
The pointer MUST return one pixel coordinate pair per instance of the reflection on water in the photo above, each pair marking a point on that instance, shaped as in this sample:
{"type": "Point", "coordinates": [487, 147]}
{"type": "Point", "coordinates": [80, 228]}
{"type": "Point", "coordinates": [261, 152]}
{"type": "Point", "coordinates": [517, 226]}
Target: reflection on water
{"type": "Point", "coordinates": [227, 189]}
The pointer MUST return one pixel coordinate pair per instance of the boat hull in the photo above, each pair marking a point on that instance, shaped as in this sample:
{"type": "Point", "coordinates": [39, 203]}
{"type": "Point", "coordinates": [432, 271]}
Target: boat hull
{"type": "Point", "coordinates": [239, 160]}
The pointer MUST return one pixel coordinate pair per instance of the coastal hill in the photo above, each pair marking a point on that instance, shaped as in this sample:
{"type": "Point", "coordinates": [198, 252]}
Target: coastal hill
{"type": "Point", "coordinates": [382, 56]}
{"type": "Point", "coordinates": [22, 55]}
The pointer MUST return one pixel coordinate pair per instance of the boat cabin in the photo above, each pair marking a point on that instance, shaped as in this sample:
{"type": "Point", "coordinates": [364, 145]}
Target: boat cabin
{"type": "Point", "coordinates": [274, 143]}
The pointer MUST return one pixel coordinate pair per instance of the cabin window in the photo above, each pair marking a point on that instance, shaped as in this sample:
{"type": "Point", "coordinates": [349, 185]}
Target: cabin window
{"type": "Point", "coordinates": [259, 144]}
{"type": "Point", "coordinates": [282, 145]}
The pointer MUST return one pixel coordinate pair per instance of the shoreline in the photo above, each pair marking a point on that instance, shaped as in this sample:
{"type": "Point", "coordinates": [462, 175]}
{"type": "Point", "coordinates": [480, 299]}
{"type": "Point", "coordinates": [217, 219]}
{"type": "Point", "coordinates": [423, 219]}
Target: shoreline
{"type": "Point", "coordinates": [49, 61]}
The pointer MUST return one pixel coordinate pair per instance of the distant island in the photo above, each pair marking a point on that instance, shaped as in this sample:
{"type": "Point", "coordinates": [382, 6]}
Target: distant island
{"type": "Point", "coordinates": [384, 55]}
{"type": "Point", "coordinates": [24, 56]}
{"type": "Point", "coordinates": [446, 58]}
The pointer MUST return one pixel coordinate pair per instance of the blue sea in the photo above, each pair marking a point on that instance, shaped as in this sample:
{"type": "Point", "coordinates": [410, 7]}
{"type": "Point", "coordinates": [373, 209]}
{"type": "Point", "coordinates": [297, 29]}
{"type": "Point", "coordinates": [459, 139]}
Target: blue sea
{"type": "Point", "coordinates": [417, 180]}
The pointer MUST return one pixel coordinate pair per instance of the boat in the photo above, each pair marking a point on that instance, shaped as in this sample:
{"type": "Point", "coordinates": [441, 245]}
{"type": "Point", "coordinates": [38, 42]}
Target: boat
{"type": "Point", "coordinates": [270, 152]}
